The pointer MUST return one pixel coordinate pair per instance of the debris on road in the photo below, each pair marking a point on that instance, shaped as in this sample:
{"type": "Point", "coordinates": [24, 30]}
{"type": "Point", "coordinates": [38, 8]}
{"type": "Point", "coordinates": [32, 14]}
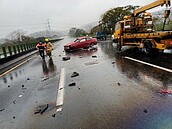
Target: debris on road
{"type": "Point", "coordinates": [91, 63]}
{"type": "Point", "coordinates": [119, 84]}
{"type": "Point", "coordinates": [54, 115]}
{"type": "Point", "coordinates": [41, 109]}
{"type": "Point", "coordinates": [2, 110]}
{"type": "Point", "coordinates": [94, 56]}
{"type": "Point", "coordinates": [72, 84]}
{"type": "Point", "coordinates": [74, 74]}
{"type": "Point", "coordinates": [113, 62]}
{"type": "Point", "coordinates": [24, 88]}
{"type": "Point", "coordinates": [14, 117]}
{"type": "Point", "coordinates": [22, 85]}
{"type": "Point", "coordinates": [145, 111]}
{"type": "Point", "coordinates": [66, 58]}
{"type": "Point", "coordinates": [20, 95]}
{"type": "Point", "coordinates": [45, 79]}
{"type": "Point", "coordinates": [28, 78]}
{"type": "Point", "coordinates": [80, 56]}
{"type": "Point", "coordinates": [8, 85]}
{"type": "Point", "coordinates": [14, 101]}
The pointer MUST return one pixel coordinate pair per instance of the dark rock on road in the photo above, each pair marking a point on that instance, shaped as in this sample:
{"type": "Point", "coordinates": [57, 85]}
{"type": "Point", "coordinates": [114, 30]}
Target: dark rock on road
{"type": "Point", "coordinates": [72, 84]}
{"type": "Point", "coordinates": [75, 74]}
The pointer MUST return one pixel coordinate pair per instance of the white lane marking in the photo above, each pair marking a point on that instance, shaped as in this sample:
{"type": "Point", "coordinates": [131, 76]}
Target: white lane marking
{"type": "Point", "coordinates": [16, 66]}
{"type": "Point", "coordinates": [159, 67]}
{"type": "Point", "coordinates": [60, 94]}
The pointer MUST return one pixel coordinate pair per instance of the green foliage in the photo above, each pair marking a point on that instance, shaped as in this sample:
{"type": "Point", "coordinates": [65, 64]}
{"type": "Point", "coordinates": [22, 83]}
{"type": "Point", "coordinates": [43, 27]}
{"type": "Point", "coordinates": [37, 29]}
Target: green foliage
{"type": "Point", "coordinates": [111, 17]}
{"type": "Point", "coordinates": [158, 24]}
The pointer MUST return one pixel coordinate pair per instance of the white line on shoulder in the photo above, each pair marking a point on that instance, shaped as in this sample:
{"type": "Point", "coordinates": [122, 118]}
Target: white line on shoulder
{"type": "Point", "coordinates": [155, 66]}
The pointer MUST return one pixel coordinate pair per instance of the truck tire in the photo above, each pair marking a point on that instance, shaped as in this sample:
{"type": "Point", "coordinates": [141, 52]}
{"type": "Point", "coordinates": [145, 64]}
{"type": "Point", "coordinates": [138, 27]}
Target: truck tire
{"type": "Point", "coordinates": [147, 47]}
{"type": "Point", "coordinates": [119, 46]}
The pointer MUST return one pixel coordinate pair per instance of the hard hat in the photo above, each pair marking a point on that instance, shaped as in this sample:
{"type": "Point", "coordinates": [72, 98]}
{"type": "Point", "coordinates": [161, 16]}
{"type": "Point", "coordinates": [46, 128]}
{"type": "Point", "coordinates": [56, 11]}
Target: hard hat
{"type": "Point", "coordinates": [46, 39]}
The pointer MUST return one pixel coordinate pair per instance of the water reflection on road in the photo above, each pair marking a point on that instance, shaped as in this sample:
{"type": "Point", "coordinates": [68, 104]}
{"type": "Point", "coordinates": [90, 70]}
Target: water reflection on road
{"type": "Point", "coordinates": [150, 81]}
{"type": "Point", "coordinates": [137, 71]}
{"type": "Point", "coordinates": [50, 69]}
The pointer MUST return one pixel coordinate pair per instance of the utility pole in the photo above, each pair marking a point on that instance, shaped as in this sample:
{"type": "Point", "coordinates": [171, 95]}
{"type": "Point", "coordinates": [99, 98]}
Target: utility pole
{"type": "Point", "coordinates": [48, 28]}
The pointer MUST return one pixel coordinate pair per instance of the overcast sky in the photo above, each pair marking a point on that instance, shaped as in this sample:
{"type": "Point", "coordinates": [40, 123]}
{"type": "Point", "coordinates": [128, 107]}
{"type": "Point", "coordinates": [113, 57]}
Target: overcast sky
{"type": "Point", "coordinates": [32, 15]}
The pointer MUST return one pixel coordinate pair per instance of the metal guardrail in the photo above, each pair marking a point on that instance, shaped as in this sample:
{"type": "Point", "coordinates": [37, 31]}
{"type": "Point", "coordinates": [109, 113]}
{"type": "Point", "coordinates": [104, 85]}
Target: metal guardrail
{"type": "Point", "coordinates": [11, 50]}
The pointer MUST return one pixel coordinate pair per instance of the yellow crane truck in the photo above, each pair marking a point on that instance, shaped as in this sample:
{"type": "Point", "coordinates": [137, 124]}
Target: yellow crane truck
{"type": "Point", "coordinates": [137, 30]}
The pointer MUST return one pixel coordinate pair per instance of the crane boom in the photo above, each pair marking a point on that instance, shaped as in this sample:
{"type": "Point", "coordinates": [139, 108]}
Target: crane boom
{"type": "Point", "coordinates": [151, 5]}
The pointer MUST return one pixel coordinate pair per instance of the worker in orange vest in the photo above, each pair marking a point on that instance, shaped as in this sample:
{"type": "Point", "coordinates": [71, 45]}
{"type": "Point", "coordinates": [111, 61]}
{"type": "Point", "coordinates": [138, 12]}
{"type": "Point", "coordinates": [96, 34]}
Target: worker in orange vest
{"type": "Point", "coordinates": [41, 47]}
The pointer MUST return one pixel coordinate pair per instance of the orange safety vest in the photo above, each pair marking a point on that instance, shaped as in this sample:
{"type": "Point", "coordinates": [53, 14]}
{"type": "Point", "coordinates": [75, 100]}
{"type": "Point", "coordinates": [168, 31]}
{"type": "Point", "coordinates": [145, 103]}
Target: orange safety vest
{"type": "Point", "coordinates": [40, 47]}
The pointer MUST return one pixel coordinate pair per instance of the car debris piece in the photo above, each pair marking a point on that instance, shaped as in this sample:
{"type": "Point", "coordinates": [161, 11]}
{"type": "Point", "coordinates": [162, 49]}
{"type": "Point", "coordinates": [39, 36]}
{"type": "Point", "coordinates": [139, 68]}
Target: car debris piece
{"type": "Point", "coordinates": [8, 85]}
{"type": "Point", "coordinates": [14, 101]}
{"type": "Point", "coordinates": [94, 56]}
{"type": "Point", "coordinates": [54, 115]}
{"type": "Point", "coordinates": [45, 79]}
{"type": "Point", "coordinates": [113, 62]}
{"type": "Point", "coordinates": [91, 63]}
{"type": "Point", "coordinates": [41, 109]}
{"type": "Point", "coordinates": [2, 109]}
{"type": "Point", "coordinates": [74, 74]}
{"type": "Point", "coordinates": [119, 84]}
{"type": "Point", "coordinates": [28, 78]}
{"type": "Point", "coordinates": [72, 84]}
{"type": "Point", "coordinates": [20, 95]}
{"type": "Point", "coordinates": [22, 85]}
{"type": "Point", "coordinates": [14, 117]}
{"type": "Point", "coordinates": [145, 111]}
{"type": "Point", "coordinates": [66, 58]}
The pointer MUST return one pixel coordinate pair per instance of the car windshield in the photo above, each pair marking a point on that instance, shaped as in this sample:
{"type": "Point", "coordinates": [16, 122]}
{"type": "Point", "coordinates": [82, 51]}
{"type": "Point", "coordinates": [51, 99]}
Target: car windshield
{"type": "Point", "coordinates": [76, 40]}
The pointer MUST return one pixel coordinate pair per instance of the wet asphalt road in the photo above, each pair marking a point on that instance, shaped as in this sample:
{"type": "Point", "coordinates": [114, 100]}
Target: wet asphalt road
{"type": "Point", "coordinates": [111, 92]}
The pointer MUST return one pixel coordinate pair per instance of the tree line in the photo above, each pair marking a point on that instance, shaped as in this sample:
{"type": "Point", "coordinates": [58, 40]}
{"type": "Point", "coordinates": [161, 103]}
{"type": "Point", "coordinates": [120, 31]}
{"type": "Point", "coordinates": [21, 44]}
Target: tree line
{"type": "Point", "coordinates": [106, 24]}
{"type": "Point", "coordinates": [111, 17]}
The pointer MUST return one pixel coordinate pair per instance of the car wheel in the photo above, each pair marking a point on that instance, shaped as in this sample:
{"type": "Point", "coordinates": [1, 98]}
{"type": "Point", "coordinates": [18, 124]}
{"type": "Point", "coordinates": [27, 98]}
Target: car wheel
{"type": "Point", "coordinates": [91, 45]}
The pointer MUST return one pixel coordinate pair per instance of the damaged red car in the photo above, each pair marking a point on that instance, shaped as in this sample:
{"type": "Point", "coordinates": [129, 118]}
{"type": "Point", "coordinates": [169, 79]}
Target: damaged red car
{"type": "Point", "coordinates": [81, 42]}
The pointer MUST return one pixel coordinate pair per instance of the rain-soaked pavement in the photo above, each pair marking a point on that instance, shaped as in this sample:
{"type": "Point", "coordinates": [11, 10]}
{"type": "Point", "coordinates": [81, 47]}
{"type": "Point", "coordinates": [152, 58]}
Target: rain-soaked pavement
{"type": "Point", "coordinates": [101, 90]}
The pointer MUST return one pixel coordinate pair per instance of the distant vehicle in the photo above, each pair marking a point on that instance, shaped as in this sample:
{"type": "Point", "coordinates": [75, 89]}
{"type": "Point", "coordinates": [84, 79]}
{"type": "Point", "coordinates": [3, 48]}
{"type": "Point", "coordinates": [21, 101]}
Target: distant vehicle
{"type": "Point", "coordinates": [81, 42]}
{"type": "Point", "coordinates": [101, 35]}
